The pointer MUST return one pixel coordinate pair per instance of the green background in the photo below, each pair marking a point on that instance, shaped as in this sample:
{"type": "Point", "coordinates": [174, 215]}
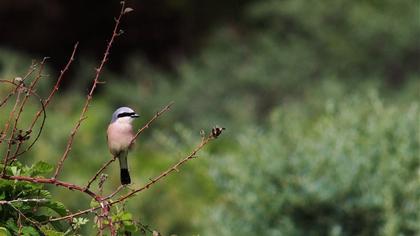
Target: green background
{"type": "Point", "coordinates": [320, 101]}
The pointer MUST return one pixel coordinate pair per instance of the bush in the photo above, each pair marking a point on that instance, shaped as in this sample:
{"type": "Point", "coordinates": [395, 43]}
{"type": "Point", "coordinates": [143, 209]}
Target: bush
{"type": "Point", "coordinates": [348, 168]}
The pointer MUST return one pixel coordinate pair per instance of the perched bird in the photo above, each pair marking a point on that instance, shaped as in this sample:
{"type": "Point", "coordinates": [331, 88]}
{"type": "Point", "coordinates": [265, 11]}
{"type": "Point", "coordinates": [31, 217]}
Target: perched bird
{"type": "Point", "coordinates": [120, 134]}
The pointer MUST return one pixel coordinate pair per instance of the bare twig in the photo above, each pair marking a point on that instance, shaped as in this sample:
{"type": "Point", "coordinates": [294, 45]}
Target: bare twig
{"type": "Point", "coordinates": [22, 105]}
{"type": "Point", "coordinates": [44, 105]}
{"type": "Point", "coordinates": [32, 68]}
{"type": "Point", "coordinates": [9, 94]}
{"type": "Point", "coordinates": [44, 117]}
{"type": "Point", "coordinates": [96, 81]}
{"type": "Point", "coordinates": [19, 89]}
{"type": "Point", "coordinates": [19, 222]}
{"type": "Point", "coordinates": [7, 125]}
{"type": "Point", "coordinates": [60, 77]}
{"type": "Point", "coordinates": [147, 125]}
{"type": "Point", "coordinates": [18, 86]}
{"type": "Point", "coordinates": [70, 216]}
{"type": "Point", "coordinates": [100, 171]}
{"type": "Point", "coordinates": [26, 135]}
{"type": "Point", "coordinates": [38, 200]}
{"type": "Point", "coordinates": [34, 222]}
{"type": "Point", "coordinates": [113, 193]}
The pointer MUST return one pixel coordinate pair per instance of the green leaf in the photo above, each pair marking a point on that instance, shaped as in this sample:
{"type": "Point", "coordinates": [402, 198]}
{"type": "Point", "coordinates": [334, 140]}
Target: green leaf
{"type": "Point", "coordinates": [94, 203]}
{"type": "Point", "coordinates": [126, 216]}
{"type": "Point", "coordinates": [11, 225]}
{"type": "Point", "coordinates": [4, 232]}
{"type": "Point", "coordinates": [80, 221]}
{"type": "Point", "coordinates": [50, 232]}
{"type": "Point", "coordinates": [57, 207]}
{"type": "Point", "coordinates": [44, 194]}
{"type": "Point", "coordinates": [40, 168]}
{"type": "Point", "coordinates": [15, 170]}
{"type": "Point", "coordinates": [29, 231]}
{"type": "Point", "coordinates": [130, 227]}
{"type": "Point", "coordinates": [7, 168]}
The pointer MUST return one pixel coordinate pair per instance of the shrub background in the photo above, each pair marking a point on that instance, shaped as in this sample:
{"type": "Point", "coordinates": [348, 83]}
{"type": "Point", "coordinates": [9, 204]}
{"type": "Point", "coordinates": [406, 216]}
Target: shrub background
{"type": "Point", "coordinates": [320, 102]}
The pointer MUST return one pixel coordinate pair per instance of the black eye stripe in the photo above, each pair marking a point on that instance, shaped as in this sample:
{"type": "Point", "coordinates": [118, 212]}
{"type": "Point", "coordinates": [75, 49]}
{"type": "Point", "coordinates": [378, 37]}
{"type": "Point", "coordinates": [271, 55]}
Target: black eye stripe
{"type": "Point", "coordinates": [124, 114]}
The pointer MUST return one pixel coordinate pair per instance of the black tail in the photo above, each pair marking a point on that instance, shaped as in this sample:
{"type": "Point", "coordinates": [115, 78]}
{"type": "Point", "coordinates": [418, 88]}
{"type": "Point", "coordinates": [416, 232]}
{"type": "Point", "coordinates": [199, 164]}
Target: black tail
{"type": "Point", "coordinates": [125, 177]}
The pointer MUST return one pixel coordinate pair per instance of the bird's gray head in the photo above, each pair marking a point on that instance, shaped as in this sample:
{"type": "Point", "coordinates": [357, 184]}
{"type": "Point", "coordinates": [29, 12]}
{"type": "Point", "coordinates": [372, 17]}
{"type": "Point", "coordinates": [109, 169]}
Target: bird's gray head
{"type": "Point", "coordinates": [124, 113]}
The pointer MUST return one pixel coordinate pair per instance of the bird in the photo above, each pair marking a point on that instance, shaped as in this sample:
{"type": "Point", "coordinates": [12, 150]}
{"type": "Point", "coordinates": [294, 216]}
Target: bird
{"type": "Point", "coordinates": [120, 137]}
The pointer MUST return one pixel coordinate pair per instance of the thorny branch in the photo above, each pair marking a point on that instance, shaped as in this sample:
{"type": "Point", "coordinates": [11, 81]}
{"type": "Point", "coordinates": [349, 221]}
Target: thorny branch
{"type": "Point", "coordinates": [56, 182]}
{"type": "Point", "coordinates": [147, 125]}
{"type": "Point", "coordinates": [20, 85]}
{"type": "Point", "coordinates": [20, 138]}
{"type": "Point", "coordinates": [7, 125]}
{"type": "Point", "coordinates": [32, 68]}
{"type": "Point", "coordinates": [96, 81]}
{"type": "Point", "coordinates": [44, 106]}
{"type": "Point", "coordinates": [39, 200]}
{"type": "Point", "coordinates": [22, 105]}
{"type": "Point", "coordinates": [57, 84]}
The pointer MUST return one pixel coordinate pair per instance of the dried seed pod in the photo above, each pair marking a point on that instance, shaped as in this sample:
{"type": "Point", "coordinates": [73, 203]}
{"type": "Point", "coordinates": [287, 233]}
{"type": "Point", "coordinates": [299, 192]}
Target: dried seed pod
{"type": "Point", "coordinates": [216, 131]}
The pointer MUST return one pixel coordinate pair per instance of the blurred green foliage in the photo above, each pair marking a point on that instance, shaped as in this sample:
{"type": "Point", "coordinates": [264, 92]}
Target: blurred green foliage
{"type": "Point", "coordinates": [350, 167]}
{"type": "Point", "coordinates": [321, 106]}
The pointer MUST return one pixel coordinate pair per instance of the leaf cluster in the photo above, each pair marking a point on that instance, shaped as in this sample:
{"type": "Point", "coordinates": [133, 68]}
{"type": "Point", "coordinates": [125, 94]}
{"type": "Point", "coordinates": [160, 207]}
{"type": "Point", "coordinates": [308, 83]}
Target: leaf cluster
{"type": "Point", "coordinates": [27, 205]}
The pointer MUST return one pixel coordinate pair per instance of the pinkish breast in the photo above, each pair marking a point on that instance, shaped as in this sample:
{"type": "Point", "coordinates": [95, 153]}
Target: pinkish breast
{"type": "Point", "coordinates": [119, 136]}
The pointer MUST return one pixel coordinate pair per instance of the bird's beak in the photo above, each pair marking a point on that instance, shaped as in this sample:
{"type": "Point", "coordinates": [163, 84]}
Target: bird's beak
{"type": "Point", "coordinates": [135, 115]}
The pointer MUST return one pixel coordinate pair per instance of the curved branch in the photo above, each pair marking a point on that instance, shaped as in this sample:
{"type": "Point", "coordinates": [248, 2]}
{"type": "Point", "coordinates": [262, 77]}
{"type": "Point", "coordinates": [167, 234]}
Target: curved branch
{"type": "Point", "coordinates": [32, 68]}
{"type": "Point", "coordinates": [44, 117]}
{"type": "Point", "coordinates": [22, 105]}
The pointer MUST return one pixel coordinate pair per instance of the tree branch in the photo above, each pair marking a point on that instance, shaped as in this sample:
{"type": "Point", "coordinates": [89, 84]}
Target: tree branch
{"type": "Point", "coordinates": [32, 68]}
{"type": "Point", "coordinates": [39, 200]}
{"type": "Point", "coordinates": [54, 182]}
{"type": "Point", "coordinates": [28, 92]}
{"type": "Point", "coordinates": [147, 125]}
{"type": "Point", "coordinates": [115, 34]}
{"type": "Point", "coordinates": [100, 171]}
